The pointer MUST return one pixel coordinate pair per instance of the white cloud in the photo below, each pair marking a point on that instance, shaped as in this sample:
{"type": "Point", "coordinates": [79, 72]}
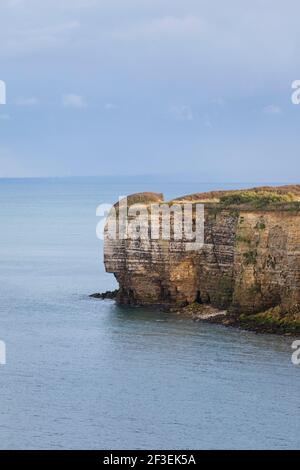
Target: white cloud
{"type": "Point", "coordinates": [56, 4]}
{"type": "Point", "coordinates": [30, 39]}
{"type": "Point", "coordinates": [14, 3]}
{"type": "Point", "coordinates": [168, 26]}
{"type": "Point", "coordinates": [207, 121]}
{"type": "Point", "coordinates": [110, 106]}
{"type": "Point", "coordinates": [27, 102]}
{"type": "Point", "coordinates": [219, 102]}
{"type": "Point", "coordinates": [184, 112]}
{"type": "Point", "coordinates": [216, 46]}
{"type": "Point", "coordinates": [272, 109]}
{"type": "Point", "coordinates": [73, 101]}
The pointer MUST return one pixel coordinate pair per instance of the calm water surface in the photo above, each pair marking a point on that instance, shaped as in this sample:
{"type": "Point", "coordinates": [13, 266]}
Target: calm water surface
{"type": "Point", "coordinates": [84, 373]}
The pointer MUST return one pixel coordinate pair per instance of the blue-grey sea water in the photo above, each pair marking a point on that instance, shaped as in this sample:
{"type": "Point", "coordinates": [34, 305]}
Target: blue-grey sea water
{"type": "Point", "coordinates": [87, 374]}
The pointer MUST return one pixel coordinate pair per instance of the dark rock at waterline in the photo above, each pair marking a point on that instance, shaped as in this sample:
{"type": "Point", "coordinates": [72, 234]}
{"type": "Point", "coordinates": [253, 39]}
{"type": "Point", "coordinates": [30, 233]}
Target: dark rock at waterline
{"type": "Point", "coordinates": [110, 294]}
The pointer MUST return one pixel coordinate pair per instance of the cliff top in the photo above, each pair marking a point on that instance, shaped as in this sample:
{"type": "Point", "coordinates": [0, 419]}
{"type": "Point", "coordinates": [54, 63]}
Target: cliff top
{"type": "Point", "coordinates": [284, 193]}
{"type": "Point", "coordinates": [264, 197]}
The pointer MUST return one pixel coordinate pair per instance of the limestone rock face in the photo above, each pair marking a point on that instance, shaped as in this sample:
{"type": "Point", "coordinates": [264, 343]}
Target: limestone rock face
{"type": "Point", "coordinates": [250, 261]}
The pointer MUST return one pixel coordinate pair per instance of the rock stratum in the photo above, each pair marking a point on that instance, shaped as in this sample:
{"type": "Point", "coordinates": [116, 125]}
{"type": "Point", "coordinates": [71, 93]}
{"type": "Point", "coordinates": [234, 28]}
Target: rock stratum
{"type": "Point", "coordinates": [249, 264]}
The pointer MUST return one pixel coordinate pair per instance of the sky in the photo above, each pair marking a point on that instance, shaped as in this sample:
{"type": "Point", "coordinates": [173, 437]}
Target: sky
{"type": "Point", "coordinates": [158, 87]}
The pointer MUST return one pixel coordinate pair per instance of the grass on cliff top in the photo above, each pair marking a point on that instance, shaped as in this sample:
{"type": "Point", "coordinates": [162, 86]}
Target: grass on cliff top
{"type": "Point", "coordinates": [214, 196]}
{"type": "Point", "coordinates": [257, 199]}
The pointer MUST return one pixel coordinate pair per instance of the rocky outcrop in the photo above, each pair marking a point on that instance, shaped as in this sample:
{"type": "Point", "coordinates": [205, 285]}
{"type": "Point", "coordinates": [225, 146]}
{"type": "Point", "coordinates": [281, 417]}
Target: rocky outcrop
{"type": "Point", "coordinates": [250, 260]}
{"type": "Point", "coordinates": [108, 295]}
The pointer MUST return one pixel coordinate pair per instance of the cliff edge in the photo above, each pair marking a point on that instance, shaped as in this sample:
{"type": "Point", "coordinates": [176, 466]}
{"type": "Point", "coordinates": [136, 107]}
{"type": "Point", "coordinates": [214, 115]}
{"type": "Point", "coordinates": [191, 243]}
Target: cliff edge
{"type": "Point", "coordinates": [249, 264]}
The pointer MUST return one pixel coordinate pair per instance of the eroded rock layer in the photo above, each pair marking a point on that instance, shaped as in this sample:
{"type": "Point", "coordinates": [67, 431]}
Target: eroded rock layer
{"type": "Point", "coordinates": [249, 263]}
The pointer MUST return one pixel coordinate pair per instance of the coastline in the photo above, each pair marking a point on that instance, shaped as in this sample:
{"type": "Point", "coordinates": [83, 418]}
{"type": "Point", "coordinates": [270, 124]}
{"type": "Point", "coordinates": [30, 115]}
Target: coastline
{"type": "Point", "coordinates": [273, 321]}
{"type": "Point", "coordinates": [245, 273]}
{"type": "Point", "coordinates": [270, 322]}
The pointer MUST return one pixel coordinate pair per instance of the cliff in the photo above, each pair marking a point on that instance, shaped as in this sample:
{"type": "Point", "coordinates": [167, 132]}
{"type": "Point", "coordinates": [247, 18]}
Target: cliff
{"type": "Point", "coordinates": [249, 263]}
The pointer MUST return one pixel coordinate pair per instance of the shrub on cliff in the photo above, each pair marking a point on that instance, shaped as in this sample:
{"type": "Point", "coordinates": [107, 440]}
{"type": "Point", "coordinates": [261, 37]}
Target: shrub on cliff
{"type": "Point", "coordinates": [258, 199]}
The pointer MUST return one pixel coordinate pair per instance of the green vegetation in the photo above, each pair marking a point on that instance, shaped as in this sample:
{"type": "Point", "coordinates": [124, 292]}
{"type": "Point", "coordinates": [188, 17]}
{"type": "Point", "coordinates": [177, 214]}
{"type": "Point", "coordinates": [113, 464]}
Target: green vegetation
{"type": "Point", "coordinates": [294, 206]}
{"type": "Point", "coordinates": [250, 257]}
{"type": "Point", "coordinates": [258, 199]}
{"type": "Point", "coordinates": [274, 320]}
{"type": "Point", "coordinates": [215, 209]}
{"type": "Point", "coordinates": [224, 292]}
{"type": "Point", "coordinates": [243, 239]}
{"type": "Point", "coordinates": [260, 225]}
{"type": "Point", "coordinates": [255, 289]}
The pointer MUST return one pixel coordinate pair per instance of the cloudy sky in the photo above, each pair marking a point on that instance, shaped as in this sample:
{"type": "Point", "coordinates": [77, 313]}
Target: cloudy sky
{"type": "Point", "coordinates": [114, 87]}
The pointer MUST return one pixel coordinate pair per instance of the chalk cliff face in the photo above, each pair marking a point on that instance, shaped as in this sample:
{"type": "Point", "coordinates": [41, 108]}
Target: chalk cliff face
{"type": "Point", "coordinates": [249, 263]}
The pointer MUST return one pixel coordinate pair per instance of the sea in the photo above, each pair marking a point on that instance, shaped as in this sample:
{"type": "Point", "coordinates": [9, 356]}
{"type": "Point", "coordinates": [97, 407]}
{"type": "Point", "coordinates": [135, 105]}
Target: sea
{"type": "Point", "coordinates": [83, 373]}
